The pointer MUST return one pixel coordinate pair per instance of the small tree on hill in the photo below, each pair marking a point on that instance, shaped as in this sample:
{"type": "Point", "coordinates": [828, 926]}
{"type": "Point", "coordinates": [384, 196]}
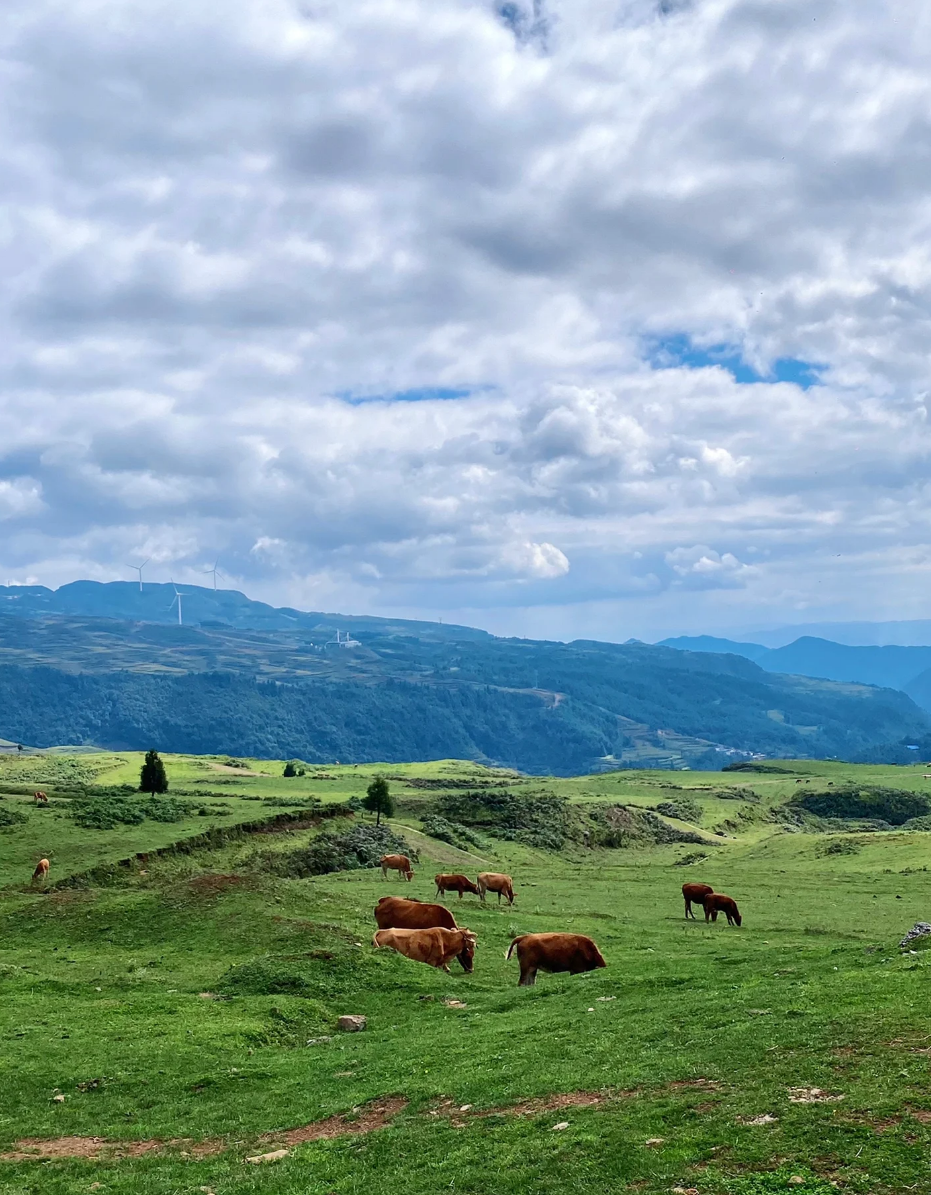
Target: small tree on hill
{"type": "Point", "coordinates": [153, 778]}
{"type": "Point", "coordinates": [378, 800]}
{"type": "Point", "coordinates": [289, 769]}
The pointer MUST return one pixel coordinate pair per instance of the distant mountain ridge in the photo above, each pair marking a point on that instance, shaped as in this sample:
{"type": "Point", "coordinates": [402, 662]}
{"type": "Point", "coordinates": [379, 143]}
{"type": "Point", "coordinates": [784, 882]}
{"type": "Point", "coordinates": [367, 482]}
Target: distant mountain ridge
{"type": "Point", "coordinates": [893, 667]}
{"type": "Point", "coordinates": [108, 665]}
{"type": "Point", "coordinates": [228, 607]}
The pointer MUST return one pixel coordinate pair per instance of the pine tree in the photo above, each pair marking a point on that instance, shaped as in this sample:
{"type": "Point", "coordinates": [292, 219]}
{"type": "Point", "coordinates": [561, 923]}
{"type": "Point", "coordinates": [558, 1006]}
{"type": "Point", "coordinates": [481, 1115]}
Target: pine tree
{"type": "Point", "coordinates": [378, 800]}
{"type": "Point", "coordinates": [152, 778]}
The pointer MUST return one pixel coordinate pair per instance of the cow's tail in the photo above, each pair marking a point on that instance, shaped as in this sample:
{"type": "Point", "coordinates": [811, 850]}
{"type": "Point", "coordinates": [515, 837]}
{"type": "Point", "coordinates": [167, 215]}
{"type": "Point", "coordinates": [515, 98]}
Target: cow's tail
{"type": "Point", "coordinates": [510, 950]}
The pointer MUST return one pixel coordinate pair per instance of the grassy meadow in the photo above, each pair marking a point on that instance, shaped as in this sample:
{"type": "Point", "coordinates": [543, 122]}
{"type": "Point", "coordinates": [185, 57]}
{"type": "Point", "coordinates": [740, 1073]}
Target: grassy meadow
{"type": "Point", "coordinates": [186, 1011]}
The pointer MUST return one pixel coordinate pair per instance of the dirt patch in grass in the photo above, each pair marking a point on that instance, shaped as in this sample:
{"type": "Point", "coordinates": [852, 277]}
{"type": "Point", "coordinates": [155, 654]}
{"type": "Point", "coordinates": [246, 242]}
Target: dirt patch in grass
{"type": "Point", "coordinates": [366, 1119]}
{"type": "Point", "coordinates": [34, 1149]}
{"type": "Point", "coordinates": [212, 884]}
{"type": "Point", "coordinates": [376, 1115]}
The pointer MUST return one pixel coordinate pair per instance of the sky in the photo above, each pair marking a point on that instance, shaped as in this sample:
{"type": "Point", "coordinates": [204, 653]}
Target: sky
{"type": "Point", "coordinates": [564, 318]}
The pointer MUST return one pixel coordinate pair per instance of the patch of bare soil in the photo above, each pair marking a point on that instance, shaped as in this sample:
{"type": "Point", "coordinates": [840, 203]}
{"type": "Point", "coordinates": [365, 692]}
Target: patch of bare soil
{"type": "Point", "coordinates": [213, 883]}
{"type": "Point", "coordinates": [366, 1119]}
{"type": "Point", "coordinates": [33, 1149]}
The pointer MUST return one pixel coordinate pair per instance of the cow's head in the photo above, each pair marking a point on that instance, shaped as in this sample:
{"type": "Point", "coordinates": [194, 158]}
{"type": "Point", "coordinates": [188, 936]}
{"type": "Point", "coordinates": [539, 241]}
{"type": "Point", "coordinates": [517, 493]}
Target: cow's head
{"type": "Point", "coordinates": [736, 916]}
{"type": "Point", "coordinates": [467, 954]}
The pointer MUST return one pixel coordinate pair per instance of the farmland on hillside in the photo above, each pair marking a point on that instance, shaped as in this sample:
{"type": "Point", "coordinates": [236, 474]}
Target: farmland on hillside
{"type": "Point", "coordinates": [185, 1009]}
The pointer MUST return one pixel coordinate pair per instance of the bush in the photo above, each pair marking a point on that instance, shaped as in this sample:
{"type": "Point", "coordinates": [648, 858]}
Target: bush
{"type": "Point", "coordinates": [537, 819]}
{"type": "Point", "coordinates": [838, 846]}
{"type": "Point", "coordinates": [104, 815]}
{"type": "Point", "coordinates": [685, 809]}
{"type": "Point", "coordinates": [165, 809]}
{"type": "Point", "coordinates": [10, 818]}
{"type": "Point", "coordinates": [895, 806]}
{"type": "Point", "coordinates": [362, 846]}
{"type": "Point", "coordinates": [452, 832]}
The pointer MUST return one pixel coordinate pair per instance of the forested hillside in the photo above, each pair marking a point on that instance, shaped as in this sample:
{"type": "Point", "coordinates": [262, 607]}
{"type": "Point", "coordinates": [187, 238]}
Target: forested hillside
{"type": "Point", "coordinates": [394, 694]}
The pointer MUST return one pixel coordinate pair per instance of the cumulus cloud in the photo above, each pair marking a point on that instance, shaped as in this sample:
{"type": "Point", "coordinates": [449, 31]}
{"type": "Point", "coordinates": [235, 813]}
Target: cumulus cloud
{"type": "Point", "coordinates": [367, 298]}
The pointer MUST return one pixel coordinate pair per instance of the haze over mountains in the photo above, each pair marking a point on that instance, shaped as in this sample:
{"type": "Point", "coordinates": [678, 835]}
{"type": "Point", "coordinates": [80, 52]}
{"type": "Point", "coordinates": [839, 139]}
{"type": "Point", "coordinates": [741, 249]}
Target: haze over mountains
{"type": "Point", "coordinates": [108, 665]}
{"type": "Point", "coordinates": [891, 666]}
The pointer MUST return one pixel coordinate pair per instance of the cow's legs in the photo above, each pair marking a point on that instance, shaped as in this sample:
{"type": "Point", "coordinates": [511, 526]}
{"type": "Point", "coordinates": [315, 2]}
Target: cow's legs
{"type": "Point", "coordinates": [527, 978]}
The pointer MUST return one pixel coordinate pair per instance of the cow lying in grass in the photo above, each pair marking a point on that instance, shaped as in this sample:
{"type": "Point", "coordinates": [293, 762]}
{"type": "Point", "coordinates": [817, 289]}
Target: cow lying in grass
{"type": "Point", "coordinates": [717, 902]}
{"type": "Point", "coordinates": [695, 894]}
{"type": "Point", "coordinates": [493, 881]}
{"type": "Point", "coordinates": [399, 863]}
{"type": "Point", "coordinates": [396, 912]}
{"type": "Point", "coordinates": [454, 883]}
{"type": "Point", "coordinates": [554, 952]}
{"type": "Point", "coordinates": [435, 947]}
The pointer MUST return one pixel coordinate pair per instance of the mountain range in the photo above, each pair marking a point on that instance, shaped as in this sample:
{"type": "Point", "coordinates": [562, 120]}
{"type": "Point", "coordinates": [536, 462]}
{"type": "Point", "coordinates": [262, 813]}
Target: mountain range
{"type": "Point", "coordinates": [894, 667]}
{"type": "Point", "coordinates": [109, 665]}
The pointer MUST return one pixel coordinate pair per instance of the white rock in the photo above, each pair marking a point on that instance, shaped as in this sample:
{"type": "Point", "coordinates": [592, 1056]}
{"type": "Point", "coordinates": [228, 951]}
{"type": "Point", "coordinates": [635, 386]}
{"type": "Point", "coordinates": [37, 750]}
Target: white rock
{"type": "Point", "coordinates": [352, 1024]}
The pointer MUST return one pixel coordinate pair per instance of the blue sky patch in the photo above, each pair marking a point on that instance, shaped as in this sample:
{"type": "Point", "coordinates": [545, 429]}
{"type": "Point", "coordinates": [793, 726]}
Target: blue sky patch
{"type": "Point", "coordinates": [418, 394]}
{"type": "Point", "coordinates": [670, 352]}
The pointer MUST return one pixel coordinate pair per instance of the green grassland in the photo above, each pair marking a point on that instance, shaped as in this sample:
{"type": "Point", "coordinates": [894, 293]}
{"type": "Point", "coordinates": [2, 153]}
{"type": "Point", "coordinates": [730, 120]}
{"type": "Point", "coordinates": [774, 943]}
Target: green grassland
{"type": "Point", "coordinates": [194, 1005]}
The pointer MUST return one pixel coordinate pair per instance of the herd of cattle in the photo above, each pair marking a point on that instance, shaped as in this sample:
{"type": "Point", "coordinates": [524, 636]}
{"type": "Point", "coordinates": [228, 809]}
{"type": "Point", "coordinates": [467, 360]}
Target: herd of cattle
{"type": "Point", "coordinates": [428, 933]}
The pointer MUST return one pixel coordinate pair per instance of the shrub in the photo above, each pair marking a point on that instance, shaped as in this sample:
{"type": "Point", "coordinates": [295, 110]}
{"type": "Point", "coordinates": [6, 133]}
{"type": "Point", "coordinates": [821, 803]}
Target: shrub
{"type": "Point", "coordinates": [10, 818]}
{"type": "Point", "coordinates": [452, 832]}
{"type": "Point", "coordinates": [362, 846]}
{"type": "Point", "coordinates": [104, 815]}
{"type": "Point", "coordinates": [895, 806]}
{"type": "Point", "coordinates": [838, 846]}
{"type": "Point", "coordinates": [289, 769]}
{"type": "Point", "coordinates": [164, 809]}
{"type": "Point", "coordinates": [683, 808]}
{"type": "Point", "coordinates": [538, 819]}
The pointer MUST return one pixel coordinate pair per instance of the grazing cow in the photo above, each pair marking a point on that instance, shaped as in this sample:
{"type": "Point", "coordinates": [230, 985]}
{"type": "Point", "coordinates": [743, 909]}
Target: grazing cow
{"type": "Point", "coordinates": [493, 881]}
{"type": "Point", "coordinates": [396, 912]}
{"type": "Point", "coordinates": [554, 952]}
{"type": "Point", "coordinates": [695, 894]}
{"type": "Point", "coordinates": [454, 883]}
{"type": "Point", "coordinates": [41, 871]}
{"type": "Point", "coordinates": [435, 947]}
{"type": "Point", "coordinates": [40, 798]}
{"type": "Point", "coordinates": [717, 902]}
{"type": "Point", "coordinates": [398, 863]}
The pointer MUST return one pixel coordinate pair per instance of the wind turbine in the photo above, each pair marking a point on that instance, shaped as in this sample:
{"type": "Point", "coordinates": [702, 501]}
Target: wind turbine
{"type": "Point", "coordinates": [138, 569]}
{"type": "Point", "coordinates": [178, 596]}
{"type": "Point", "coordinates": [213, 571]}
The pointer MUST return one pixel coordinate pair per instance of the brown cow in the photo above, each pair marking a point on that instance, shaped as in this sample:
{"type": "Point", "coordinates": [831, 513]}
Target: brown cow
{"type": "Point", "coordinates": [493, 881]}
{"type": "Point", "coordinates": [40, 798]}
{"type": "Point", "coordinates": [396, 912]}
{"type": "Point", "coordinates": [41, 870]}
{"type": "Point", "coordinates": [554, 952]}
{"type": "Point", "coordinates": [454, 883]}
{"type": "Point", "coordinates": [695, 894]}
{"type": "Point", "coordinates": [435, 947]}
{"type": "Point", "coordinates": [717, 902]}
{"type": "Point", "coordinates": [398, 863]}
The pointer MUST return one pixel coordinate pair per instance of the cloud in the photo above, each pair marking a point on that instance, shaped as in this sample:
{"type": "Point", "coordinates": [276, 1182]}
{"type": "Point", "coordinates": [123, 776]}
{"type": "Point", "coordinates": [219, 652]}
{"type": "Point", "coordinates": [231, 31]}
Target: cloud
{"type": "Point", "coordinates": [408, 305]}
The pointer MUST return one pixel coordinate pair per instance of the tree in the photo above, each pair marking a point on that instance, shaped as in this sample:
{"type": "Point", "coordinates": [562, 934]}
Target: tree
{"type": "Point", "coordinates": [289, 769]}
{"type": "Point", "coordinates": [152, 778]}
{"type": "Point", "coordinates": [378, 800]}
